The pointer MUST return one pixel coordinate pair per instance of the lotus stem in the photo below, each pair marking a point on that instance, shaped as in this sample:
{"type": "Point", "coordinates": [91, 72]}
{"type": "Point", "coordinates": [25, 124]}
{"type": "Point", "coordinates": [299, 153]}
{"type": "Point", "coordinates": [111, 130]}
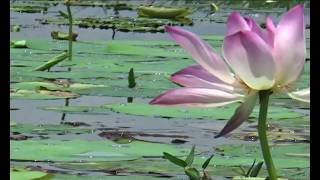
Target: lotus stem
{"type": "Point", "coordinates": [70, 28]}
{"type": "Point", "coordinates": [262, 131]}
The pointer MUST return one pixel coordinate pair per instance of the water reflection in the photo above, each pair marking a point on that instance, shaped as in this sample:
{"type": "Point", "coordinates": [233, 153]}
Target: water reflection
{"type": "Point", "coordinates": [113, 32]}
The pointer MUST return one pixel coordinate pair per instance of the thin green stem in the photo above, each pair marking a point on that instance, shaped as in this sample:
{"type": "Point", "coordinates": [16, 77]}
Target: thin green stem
{"type": "Point", "coordinates": [262, 131]}
{"type": "Point", "coordinates": [70, 29]}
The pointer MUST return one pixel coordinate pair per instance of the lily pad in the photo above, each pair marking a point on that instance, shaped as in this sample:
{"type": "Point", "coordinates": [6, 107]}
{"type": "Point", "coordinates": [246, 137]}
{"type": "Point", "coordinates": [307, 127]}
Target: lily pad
{"type": "Point", "coordinates": [178, 112]}
{"type": "Point", "coordinates": [27, 8]}
{"type": "Point", "coordinates": [40, 94]}
{"type": "Point", "coordinates": [117, 5]}
{"type": "Point", "coordinates": [58, 85]}
{"type": "Point", "coordinates": [59, 35]}
{"type": "Point", "coordinates": [227, 158]}
{"type": "Point", "coordinates": [21, 173]}
{"type": "Point", "coordinates": [236, 155]}
{"type": "Point", "coordinates": [19, 44]}
{"type": "Point", "coordinates": [123, 24]}
{"type": "Point", "coordinates": [163, 12]}
{"type": "Point", "coordinates": [142, 109]}
{"type": "Point", "coordinates": [95, 177]}
{"type": "Point", "coordinates": [84, 150]}
{"type": "Point", "coordinates": [252, 178]}
{"type": "Point", "coordinates": [47, 129]}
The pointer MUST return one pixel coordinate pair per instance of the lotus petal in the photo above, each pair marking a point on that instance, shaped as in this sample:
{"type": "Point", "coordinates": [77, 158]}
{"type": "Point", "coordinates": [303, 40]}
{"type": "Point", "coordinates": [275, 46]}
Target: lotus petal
{"type": "Point", "coordinates": [301, 95]}
{"type": "Point", "coordinates": [254, 27]}
{"type": "Point", "coordinates": [236, 23]}
{"type": "Point", "coordinates": [196, 97]}
{"type": "Point", "coordinates": [270, 32]}
{"type": "Point", "coordinates": [202, 53]}
{"type": "Point", "coordinates": [289, 46]}
{"type": "Point", "coordinates": [197, 77]}
{"type": "Point", "coordinates": [251, 59]}
{"type": "Point", "coordinates": [241, 114]}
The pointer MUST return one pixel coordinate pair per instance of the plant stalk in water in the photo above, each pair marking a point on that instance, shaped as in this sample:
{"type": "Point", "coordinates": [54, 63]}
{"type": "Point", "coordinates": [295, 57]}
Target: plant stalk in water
{"type": "Point", "coordinates": [132, 83]}
{"type": "Point", "coordinates": [262, 131]}
{"type": "Point", "coordinates": [70, 28]}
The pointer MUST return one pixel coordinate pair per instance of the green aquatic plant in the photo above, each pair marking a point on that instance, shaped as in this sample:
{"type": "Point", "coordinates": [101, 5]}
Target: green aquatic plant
{"type": "Point", "coordinates": [68, 4]}
{"type": "Point", "coordinates": [55, 60]}
{"type": "Point", "coordinates": [131, 83]}
{"type": "Point", "coordinates": [131, 79]}
{"type": "Point", "coordinates": [214, 8]}
{"type": "Point", "coordinates": [253, 171]}
{"type": "Point", "coordinates": [186, 164]}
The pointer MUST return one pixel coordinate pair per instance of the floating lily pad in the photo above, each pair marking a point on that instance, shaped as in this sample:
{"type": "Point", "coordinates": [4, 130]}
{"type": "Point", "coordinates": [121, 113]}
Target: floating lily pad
{"type": "Point", "coordinates": [54, 86]}
{"type": "Point", "coordinates": [40, 94]}
{"type": "Point", "coordinates": [21, 173]}
{"type": "Point", "coordinates": [227, 158]}
{"type": "Point", "coordinates": [282, 136]}
{"type": "Point", "coordinates": [244, 154]}
{"type": "Point", "coordinates": [141, 109]}
{"type": "Point", "coordinates": [117, 5]}
{"type": "Point", "coordinates": [214, 113]}
{"type": "Point", "coordinates": [77, 109]}
{"type": "Point", "coordinates": [59, 35]}
{"type": "Point", "coordinates": [19, 44]}
{"type": "Point", "coordinates": [124, 24]}
{"type": "Point", "coordinates": [48, 90]}
{"type": "Point", "coordinates": [123, 47]}
{"type": "Point", "coordinates": [118, 177]}
{"type": "Point", "coordinates": [84, 150]}
{"type": "Point", "coordinates": [163, 12]}
{"type": "Point", "coordinates": [252, 178]}
{"type": "Point", "coordinates": [28, 8]}
{"type": "Point", "coordinates": [47, 129]}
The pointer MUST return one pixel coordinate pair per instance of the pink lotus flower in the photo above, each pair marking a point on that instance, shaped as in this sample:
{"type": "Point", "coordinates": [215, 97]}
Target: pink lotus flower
{"type": "Point", "coordinates": [271, 59]}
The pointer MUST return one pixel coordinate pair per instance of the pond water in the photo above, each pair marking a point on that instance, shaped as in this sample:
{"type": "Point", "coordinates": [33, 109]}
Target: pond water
{"type": "Point", "coordinates": [95, 134]}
